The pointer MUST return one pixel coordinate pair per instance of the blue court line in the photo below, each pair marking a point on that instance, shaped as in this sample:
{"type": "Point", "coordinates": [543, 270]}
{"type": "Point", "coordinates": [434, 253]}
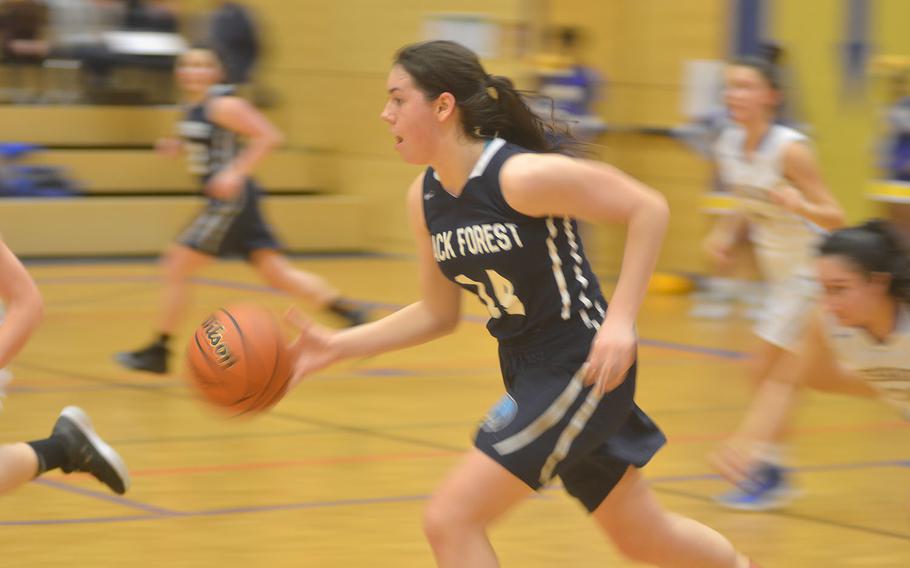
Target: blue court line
{"type": "Point", "coordinates": [105, 496]}
{"type": "Point", "coordinates": [82, 521]}
{"type": "Point", "coordinates": [155, 513]}
{"type": "Point", "coordinates": [370, 305]}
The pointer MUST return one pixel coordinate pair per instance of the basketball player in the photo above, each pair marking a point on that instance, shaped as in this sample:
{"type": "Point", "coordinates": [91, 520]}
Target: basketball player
{"type": "Point", "coordinates": [861, 347]}
{"type": "Point", "coordinates": [232, 222]}
{"type": "Point", "coordinates": [73, 444]}
{"type": "Point", "coordinates": [785, 205]}
{"type": "Point", "coordinates": [494, 214]}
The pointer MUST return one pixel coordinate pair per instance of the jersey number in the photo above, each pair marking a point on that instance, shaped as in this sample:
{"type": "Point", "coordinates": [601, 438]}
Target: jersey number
{"type": "Point", "coordinates": [503, 290]}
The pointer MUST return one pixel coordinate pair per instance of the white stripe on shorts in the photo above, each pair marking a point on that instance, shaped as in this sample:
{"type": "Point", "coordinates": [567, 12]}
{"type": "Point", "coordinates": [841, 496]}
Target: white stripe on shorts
{"type": "Point", "coordinates": [576, 425]}
{"type": "Point", "coordinates": [546, 420]}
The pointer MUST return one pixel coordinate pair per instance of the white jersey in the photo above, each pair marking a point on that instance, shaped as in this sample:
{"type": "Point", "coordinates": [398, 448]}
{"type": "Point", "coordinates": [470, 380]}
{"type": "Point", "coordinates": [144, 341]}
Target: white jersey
{"type": "Point", "coordinates": [784, 241]}
{"type": "Point", "coordinates": [884, 366]}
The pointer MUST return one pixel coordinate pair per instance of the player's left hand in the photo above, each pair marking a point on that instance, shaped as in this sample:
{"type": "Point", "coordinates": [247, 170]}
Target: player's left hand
{"type": "Point", "coordinates": [225, 185]}
{"type": "Point", "coordinates": [312, 350]}
{"type": "Point", "coordinates": [788, 197]}
{"type": "Point", "coordinates": [611, 356]}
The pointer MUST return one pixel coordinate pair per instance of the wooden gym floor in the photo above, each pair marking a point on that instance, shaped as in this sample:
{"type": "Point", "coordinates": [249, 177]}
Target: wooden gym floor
{"type": "Point", "coordinates": [337, 474]}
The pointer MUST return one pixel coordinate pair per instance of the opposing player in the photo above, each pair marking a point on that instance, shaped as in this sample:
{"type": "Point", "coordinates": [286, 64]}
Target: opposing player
{"type": "Point", "coordinates": [785, 205]}
{"type": "Point", "coordinates": [858, 346]}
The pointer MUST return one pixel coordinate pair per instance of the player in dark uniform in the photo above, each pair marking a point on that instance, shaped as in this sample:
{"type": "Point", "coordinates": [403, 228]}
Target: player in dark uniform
{"type": "Point", "coordinates": [73, 444]}
{"type": "Point", "coordinates": [231, 223]}
{"type": "Point", "coordinates": [494, 214]}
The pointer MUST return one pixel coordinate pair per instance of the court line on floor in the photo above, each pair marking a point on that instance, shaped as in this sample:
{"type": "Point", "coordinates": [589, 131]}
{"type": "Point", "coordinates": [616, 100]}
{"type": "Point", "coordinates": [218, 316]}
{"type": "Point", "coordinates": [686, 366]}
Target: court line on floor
{"type": "Point", "coordinates": [379, 432]}
{"type": "Point", "coordinates": [794, 516]}
{"type": "Point", "coordinates": [259, 288]}
{"type": "Point", "coordinates": [104, 496]}
{"type": "Point", "coordinates": [157, 513]}
{"type": "Point", "coordinates": [670, 345]}
{"type": "Point", "coordinates": [271, 415]}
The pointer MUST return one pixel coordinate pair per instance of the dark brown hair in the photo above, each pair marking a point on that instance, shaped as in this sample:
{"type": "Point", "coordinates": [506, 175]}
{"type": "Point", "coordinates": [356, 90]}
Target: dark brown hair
{"type": "Point", "coordinates": [489, 104]}
{"type": "Point", "coordinates": [873, 247]}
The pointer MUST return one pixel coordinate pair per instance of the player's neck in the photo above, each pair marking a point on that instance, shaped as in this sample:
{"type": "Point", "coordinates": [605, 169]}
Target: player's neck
{"type": "Point", "coordinates": [883, 323]}
{"type": "Point", "coordinates": [755, 132]}
{"type": "Point", "coordinates": [455, 162]}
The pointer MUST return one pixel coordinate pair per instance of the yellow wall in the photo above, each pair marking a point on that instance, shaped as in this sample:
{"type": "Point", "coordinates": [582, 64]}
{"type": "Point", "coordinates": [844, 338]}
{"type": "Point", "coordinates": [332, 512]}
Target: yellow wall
{"type": "Point", "coordinates": [328, 63]}
{"type": "Point", "coordinates": [640, 47]}
{"type": "Point", "coordinates": [841, 128]}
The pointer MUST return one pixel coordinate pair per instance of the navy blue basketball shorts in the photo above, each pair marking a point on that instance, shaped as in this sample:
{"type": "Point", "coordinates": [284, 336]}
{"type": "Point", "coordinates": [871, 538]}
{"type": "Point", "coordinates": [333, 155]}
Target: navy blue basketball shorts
{"type": "Point", "coordinates": [549, 424]}
{"type": "Point", "coordinates": [230, 228]}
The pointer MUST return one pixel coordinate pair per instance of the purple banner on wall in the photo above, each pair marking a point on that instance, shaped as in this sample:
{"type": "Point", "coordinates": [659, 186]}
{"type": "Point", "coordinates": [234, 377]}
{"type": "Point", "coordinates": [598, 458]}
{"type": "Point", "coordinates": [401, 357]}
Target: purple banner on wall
{"type": "Point", "coordinates": [856, 47]}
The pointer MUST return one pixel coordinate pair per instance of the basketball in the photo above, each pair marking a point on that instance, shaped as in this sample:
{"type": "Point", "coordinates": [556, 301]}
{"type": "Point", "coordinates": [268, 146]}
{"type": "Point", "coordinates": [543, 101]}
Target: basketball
{"type": "Point", "coordinates": [238, 361]}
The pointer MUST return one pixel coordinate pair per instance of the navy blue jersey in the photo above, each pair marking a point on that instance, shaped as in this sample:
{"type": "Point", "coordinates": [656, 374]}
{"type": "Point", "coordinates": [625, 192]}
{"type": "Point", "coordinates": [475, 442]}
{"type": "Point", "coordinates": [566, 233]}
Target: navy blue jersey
{"type": "Point", "coordinates": [209, 146]}
{"type": "Point", "coordinates": [530, 272]}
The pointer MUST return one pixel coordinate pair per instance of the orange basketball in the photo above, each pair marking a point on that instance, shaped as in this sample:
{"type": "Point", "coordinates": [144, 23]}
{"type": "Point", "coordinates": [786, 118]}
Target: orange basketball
{"type": "Point", "coordinates": [238, 359]}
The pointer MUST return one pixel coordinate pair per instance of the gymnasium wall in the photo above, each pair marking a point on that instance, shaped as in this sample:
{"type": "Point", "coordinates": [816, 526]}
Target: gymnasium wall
{"type": "Point", "coordinates": [328, 63]}
{"type": "Point", "coordinates": [843, 128]}
{"type": "Point", "coordinates": [640, 47]}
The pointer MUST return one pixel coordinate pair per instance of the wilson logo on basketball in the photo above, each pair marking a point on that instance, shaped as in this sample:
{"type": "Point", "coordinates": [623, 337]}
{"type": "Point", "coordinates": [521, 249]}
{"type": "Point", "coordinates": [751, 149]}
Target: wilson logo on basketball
{"type": "Point", "coordinates": [214, 331]}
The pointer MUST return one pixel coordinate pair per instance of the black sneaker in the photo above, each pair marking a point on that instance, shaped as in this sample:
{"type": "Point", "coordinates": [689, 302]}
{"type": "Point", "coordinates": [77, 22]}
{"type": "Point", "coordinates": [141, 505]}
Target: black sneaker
{"type": "Point", "coordinates": [152, 359]}
{"type": "Point", "coordinates": [349, 312]}
{"type": "Point", "coordinates": [354, 317]}
{"type": "Point", "coordinates": [87, 452]}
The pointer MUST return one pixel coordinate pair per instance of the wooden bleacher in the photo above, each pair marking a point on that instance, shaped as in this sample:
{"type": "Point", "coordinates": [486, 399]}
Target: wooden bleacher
{"type": "Point", "coordinates": [135, 201]}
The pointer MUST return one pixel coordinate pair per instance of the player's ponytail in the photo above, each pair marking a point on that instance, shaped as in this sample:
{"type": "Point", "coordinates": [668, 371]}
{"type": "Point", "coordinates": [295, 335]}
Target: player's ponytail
{"type": "Point", "coordinates": [874, 247]}
{"type": "Point", "coordinates": [489, 105]}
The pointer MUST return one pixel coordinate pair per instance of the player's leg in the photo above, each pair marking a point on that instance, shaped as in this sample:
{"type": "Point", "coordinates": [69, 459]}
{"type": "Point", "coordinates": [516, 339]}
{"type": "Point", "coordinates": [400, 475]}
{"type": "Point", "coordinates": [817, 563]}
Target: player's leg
{"type": "Point", "coordinates": [18, 465]}
{"type": "Point", "coordinates": [72, 446]}
{"type": "Point", "coordinates": [789, 304]}
{"type": "Point", "coordinates": [645, 532]}
{"type": "Point", "coordinates": [474, 495]}
{"type": "Point", "coordinates": [279, 273]}
{"type": "Point", "coordinates": [177, 265]}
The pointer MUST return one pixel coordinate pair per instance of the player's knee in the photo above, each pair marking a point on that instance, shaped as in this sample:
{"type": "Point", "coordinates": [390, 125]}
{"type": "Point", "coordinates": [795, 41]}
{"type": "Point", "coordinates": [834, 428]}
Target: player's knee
{"type": "Point", "coordinates": [442, 521]}
{"type": "Point", "coordinates": [437, 522]}
{"type": "Point", "coordinates": [271, 272]}
{"type": "Point", "coordinates": [171, 266]}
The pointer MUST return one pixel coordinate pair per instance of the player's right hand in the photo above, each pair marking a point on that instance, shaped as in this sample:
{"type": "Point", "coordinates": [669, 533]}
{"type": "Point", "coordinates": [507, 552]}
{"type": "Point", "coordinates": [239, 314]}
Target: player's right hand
{"type": "Point", "coordinates": [719, 250]}
{"type": "Point", "coordinates": [312, 350]}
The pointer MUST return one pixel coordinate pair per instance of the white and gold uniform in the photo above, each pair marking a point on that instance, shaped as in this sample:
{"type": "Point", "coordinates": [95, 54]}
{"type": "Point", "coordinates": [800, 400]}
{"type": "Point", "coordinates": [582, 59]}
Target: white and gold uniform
{"type": "Point", "coordinates": [884, 366]}
{"type": "Point", "coordinates": [784, 241]}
